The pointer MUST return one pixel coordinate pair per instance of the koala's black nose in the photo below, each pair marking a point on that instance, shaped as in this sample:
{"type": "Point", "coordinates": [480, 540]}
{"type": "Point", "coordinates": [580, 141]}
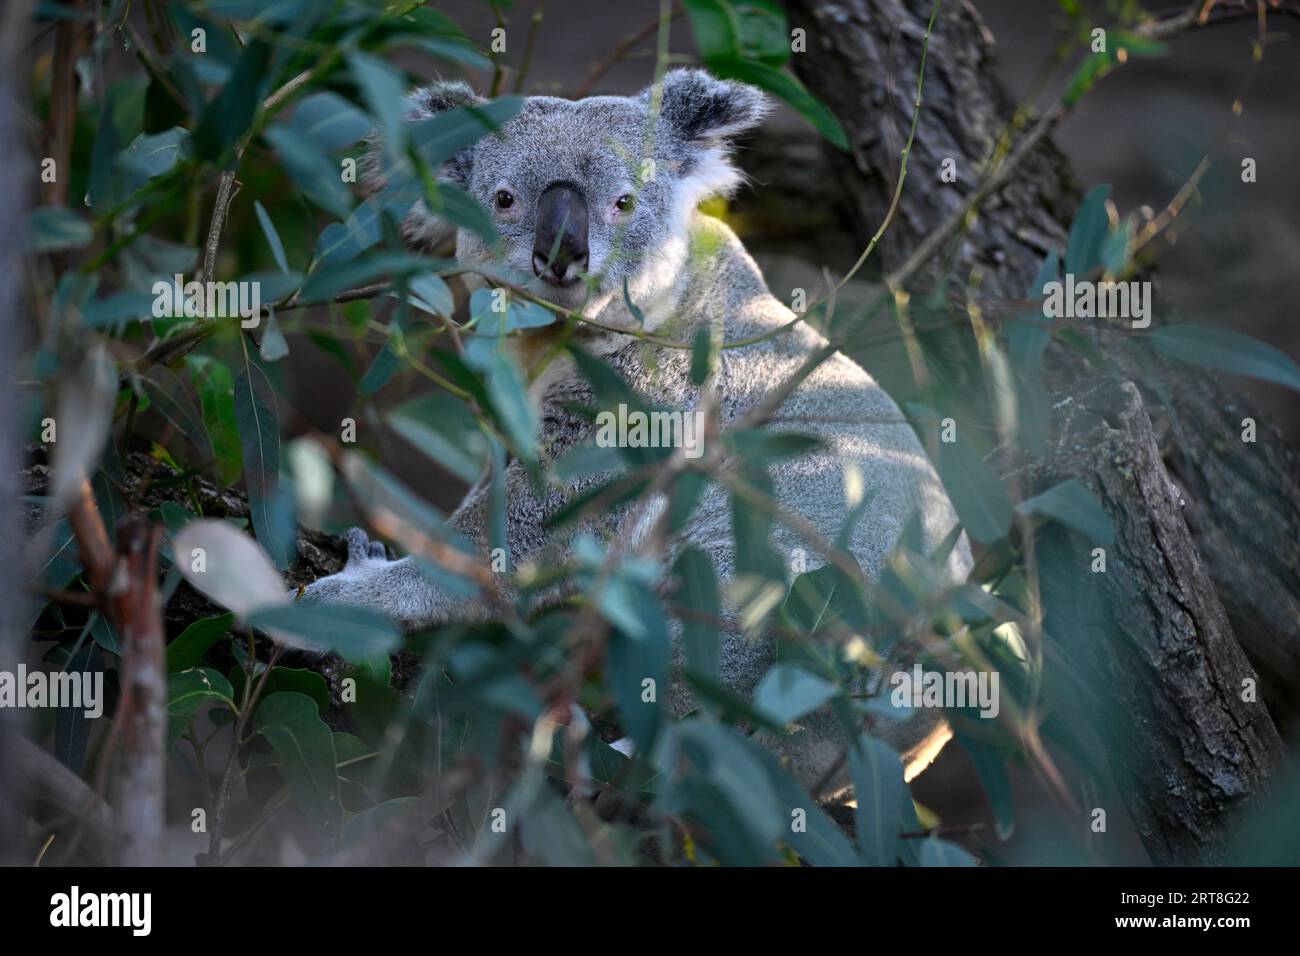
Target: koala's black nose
{"type": "Point", "coordinates": [560, 238]}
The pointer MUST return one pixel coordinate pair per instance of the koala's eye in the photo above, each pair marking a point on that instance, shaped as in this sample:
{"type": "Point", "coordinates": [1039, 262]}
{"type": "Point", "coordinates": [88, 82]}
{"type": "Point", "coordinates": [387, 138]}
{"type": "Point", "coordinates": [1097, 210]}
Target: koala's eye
{"type": "Point", "coordinates": [504, 199]}
{"type": "Point", "coordinates": [625, 203]}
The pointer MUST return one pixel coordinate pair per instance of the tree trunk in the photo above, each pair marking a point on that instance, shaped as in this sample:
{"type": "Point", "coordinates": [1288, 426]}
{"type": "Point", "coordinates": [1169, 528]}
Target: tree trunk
{"type": "Point", "coordinates": [1181, 724]}
{"type": "Point", "coordinates": [1243, 501]}
{"type": "Point", "coordinates": [1242, 506]}
{"type": "Point", "coordinates": [862, 63]}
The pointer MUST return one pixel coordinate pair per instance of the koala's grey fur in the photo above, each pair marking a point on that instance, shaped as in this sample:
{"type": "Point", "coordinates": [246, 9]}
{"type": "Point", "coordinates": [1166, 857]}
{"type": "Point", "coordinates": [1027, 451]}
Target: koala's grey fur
{"type": "Point", "coordinates": [683, 269]}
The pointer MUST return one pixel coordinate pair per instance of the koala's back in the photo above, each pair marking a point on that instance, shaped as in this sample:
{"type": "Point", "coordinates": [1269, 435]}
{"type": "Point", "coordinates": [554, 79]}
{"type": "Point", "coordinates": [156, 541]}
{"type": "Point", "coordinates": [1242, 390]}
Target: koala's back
{"type": "Point", "coordinates": [860, 427]}
{"type": "Point", "coordinates": [839, 403]}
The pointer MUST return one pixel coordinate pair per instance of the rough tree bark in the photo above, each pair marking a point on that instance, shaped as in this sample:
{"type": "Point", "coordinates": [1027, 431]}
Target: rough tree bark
{"type": "Point", "coordinates": [142, 711]}
{"type": "Point", "coordinates": [862, 64]}
{"type": "Point", "coordinates": [1185, 745]}
{"type": "Point", "coordinates": [1243, 501]}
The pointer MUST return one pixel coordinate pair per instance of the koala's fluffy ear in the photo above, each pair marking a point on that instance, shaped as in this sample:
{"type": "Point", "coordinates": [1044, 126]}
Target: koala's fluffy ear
{"type": "Point", "coordinates": [702, 108]}
{"type": "Point", "coordinates": [439, 97]}
{"type": "Point", "coordinates": [422, 229]}
{"type": "Point", "coordinates": [429, 101]}
{"type": "Point", "coordinates": [421, 104]}
{"type": "Point", "coordinates": [706, 113]}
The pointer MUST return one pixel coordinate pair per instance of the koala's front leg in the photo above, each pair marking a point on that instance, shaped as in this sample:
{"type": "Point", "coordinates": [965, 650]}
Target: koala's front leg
{"type": "Point", "coordinates": [396, 589]}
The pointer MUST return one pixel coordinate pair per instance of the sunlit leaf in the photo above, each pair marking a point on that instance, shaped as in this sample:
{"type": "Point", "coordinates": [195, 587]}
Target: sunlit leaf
{"type": "Point", "coordinates": [228, 566]}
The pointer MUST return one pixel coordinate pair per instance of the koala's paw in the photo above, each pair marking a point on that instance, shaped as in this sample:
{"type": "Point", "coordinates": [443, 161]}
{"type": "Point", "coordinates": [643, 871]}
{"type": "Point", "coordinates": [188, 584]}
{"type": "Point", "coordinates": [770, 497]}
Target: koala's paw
{"type": "Point", "coordinates": [361, 549]}
{"type": "Point", "coordinates": [398, 589]}
{"type": "Point", "coordinates": [355, 584]}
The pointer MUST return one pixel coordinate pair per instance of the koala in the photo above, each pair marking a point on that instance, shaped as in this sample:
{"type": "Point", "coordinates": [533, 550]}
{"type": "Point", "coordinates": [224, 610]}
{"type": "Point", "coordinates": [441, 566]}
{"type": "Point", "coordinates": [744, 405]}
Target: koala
{"type": "Point", "coordinates": [566, 186]}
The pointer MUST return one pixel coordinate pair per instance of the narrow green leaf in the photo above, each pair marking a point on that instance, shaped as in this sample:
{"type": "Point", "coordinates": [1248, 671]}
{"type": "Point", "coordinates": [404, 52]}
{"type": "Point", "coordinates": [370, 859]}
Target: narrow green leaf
{"type": "Point", "coordinates": [701, 355]}
{"type": "Point", "coordinates": [698, 595]}
{"type": "Point", "coordinates": [231, 112]}
{"type": "Point", "coordinates": [384, 90]}
{"type": "Point", "coordinates": [216, 386]}
{"type": "Point", "coordinates": [1227, 351]}
{"type": "Point", "coordinates": [189, 690]}
{"type": "Point", "coordinates": [976, 491]}
{"type": "Point", "coordinates": [443, 427]}
{"type": "Point", "coordinates": [1088, 233]}
{"type": "Point", "coordinates": [171, 396]}
{"type": "Point", "coordinates": [318, 175]}
{"type": "Point", "coordinates": [786, 87]}
{"type": "Point", "coordinates": [329, 122]}
{"type": "Point", "coordinates": [259, 437]}
{"type": "Point", "coordinates": [879, 790]}
{"type": "Point", "coordinates": [272, 237]}
{"type": "Point", "coordinates": [353, 633]}
{"type": "Point", "coordinates": [1075, 506]}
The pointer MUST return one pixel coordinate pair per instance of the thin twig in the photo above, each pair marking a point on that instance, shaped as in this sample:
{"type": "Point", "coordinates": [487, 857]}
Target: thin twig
{"type": "Point", "coordinates": [620, 50]}
{"type": "Point", "coordinates": [225, 193]}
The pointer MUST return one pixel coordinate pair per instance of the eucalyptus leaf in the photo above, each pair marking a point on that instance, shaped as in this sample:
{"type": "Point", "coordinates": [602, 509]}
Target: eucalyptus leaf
{"type": "Point", "coordinates": [353, 633]}
{"type": "Point", "coordinates": [879, 789]}
{"type": "Point", "coordinates": [259, 436]}
{"type": "Point", "coordinates": [1075, 506]}
{"type": "Point", "coordinates": [51, 228]}
{"type": "Point", "coordinates": [329, 122]}
{"type": "Point", "coordinates": [976, 491]}
{"type": "Point", "coordinates": [788, 691]}
{"type": "Point", "coordinates": [291, 724]}
{"type": "Point", "coordinates": [272, 237]}
{"type": "Point", "coordinates": [698, 595]}
{"type": "Point", "coordinates": [442, 427]}
{"type": "Point", "coordinates": [196, 640]}
{"type": "Point", "coordinates": [228, 566]}
{"type": "Point", "coordinates": [1088, 233]}
{"type": "Point", "coordinates": [1227, 351]}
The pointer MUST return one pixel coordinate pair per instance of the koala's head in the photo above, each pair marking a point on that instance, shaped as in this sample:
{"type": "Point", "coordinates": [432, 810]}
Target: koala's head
{"type": "Point", "coordinates": [589, 193]}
